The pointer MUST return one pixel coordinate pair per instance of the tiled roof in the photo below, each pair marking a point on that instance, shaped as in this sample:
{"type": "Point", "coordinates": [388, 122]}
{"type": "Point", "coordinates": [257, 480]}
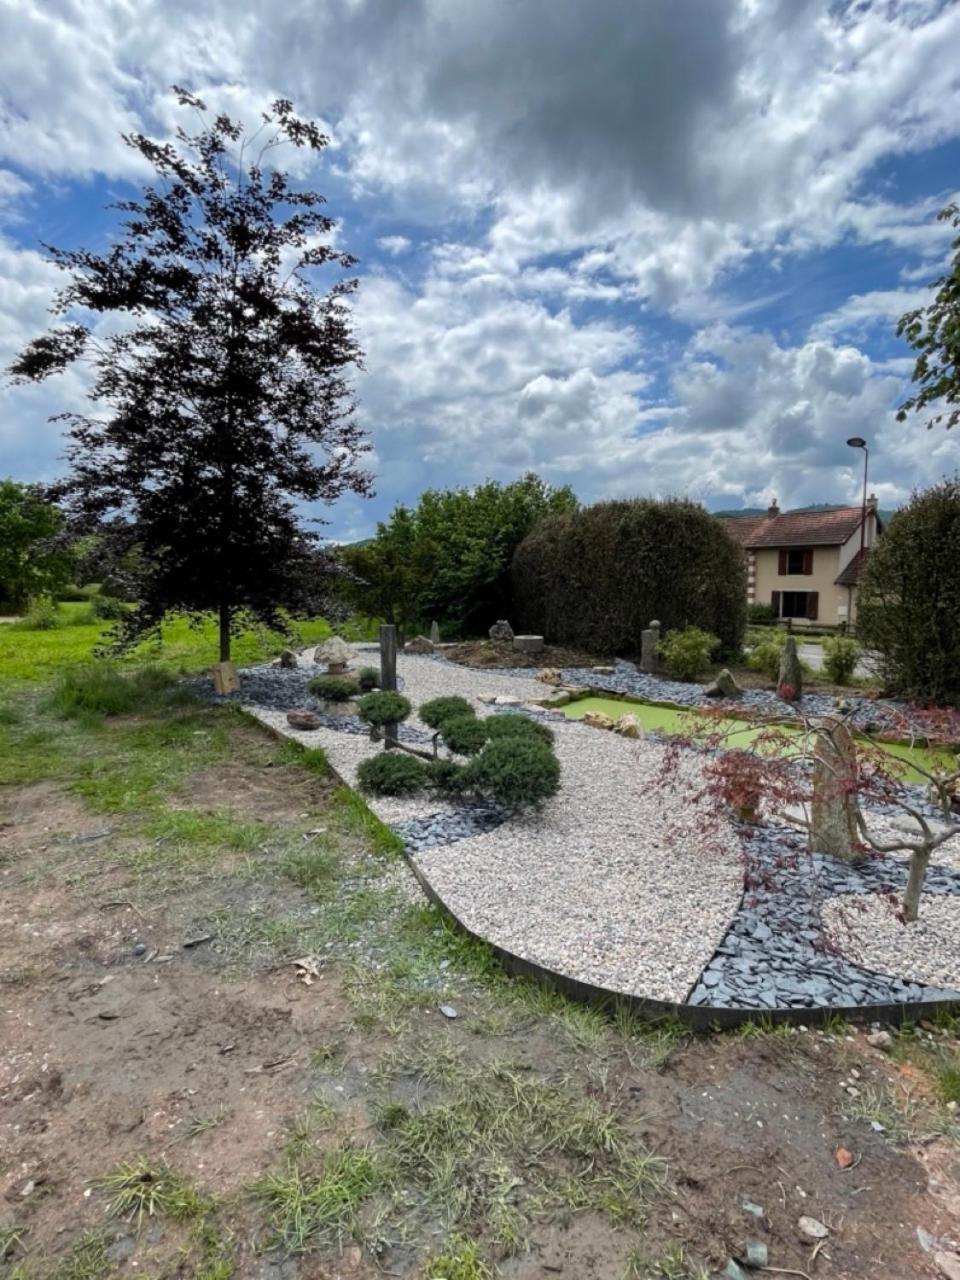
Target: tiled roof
{"type": "Point", "coordinates": [849, 576]}
{"type": "Point", "coordinates": [795, 528]}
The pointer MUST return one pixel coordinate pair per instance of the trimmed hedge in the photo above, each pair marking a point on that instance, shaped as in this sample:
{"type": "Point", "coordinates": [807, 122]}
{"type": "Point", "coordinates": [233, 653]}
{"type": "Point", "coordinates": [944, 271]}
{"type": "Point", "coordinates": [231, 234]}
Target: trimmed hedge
{"type": "Point", "coordinates": [437, 710]}
{"type": "Point", "coordinates": [515, 772]}
{"type": "Point", "coordinates": [384, 708]}
{"type": "Point", "coordinates": [595, 578]}
{"type": "Point", "coordinates": [464, 735]}
{"type": "Point", "coordinates": [333, 688]}
{"type": "Point", "coordinates": [392, 773]}
{"type": "Point", "coordinates": [515, 725]}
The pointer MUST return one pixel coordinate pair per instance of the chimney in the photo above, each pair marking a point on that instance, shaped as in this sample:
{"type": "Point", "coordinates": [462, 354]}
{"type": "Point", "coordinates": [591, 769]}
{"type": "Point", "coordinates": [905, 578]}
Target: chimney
{"type": "Point", "coordinates": [773, 509]}
{"type": "Point", "coordinates": [872, 505]}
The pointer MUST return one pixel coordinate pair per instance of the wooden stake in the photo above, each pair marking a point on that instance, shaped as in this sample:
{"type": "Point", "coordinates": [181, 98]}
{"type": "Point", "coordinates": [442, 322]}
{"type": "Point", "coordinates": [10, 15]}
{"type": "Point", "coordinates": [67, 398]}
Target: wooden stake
{"type": "Point", "coordinates": [388, 677]}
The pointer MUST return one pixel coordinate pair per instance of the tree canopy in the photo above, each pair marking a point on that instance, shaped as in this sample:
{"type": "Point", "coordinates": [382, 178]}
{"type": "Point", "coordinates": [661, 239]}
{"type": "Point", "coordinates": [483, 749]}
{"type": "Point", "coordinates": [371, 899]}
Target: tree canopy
{"type": "Point", "coordinates": [934, 332]}
{"type": "Point", "coordinates": [220, 384]}
{"type": "Point", "coordinates": [33, 559]}
{"type": "Point", "coordinates": [449, 557]}
{"type": "Point", "coordinates": [908, 594]}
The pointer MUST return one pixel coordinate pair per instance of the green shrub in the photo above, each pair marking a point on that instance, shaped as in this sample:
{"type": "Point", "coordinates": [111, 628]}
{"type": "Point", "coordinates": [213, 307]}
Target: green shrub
{"type": "Point", "coordinates": [437, 710]}
{"type": "Point", "coordinates": [333, 688]}
{"type": "Point", "coordinates": [908, 593]}
{"type": "Point", "coordinates": [464, 735]}
{"type": "Point", "coordinates": [101, 689]}
{"type": "Point", "coordinates": [446, 776]}
{"type": "Point", "coordinates": [109, 608]}
{"type": "Point", "coordinates": [759, 612]}
{"type": "Point", "coordinates": [384, 708]}
{"type": "Point", "coordinates": [368, 678]}
{"type": "Point", "coordinates": [517, 725]}
{"type": "Point", "coordinates": [595, 578]}
{"type": "Point", "coordinates": [840, 655]}
{"type": "Point", "coordinates": [515, 772]}
{"type": "Point", "coordinates": [687, 653]}
{"type": "Point", "coordinates": [393, 773]}
{"type": "Point", "coordinates": [43, 615]}
{"type": "Point", "coordinates": [766, 653]}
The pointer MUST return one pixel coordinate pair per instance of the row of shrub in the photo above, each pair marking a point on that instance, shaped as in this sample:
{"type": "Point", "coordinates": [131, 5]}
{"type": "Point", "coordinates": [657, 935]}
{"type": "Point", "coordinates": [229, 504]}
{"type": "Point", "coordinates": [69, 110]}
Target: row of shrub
{"type": "Point", "coordinates": [594, 578]}
{"type": "Point", "coordinates": [509, 757]}
{"type": "Point", "coordinates": [44, 613]}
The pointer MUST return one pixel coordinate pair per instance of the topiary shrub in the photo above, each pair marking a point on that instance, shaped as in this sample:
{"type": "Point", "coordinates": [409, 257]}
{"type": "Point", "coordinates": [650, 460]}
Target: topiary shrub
{"type": "Point", "coordinates": [687, 653]}
{"type": "Point", "coordinates": [766, 653]}
{"type": "Point", "coordinates": [384, 708]}
{"type": "Point", "coordinates": [437, 710]}
{"type": "Point", "coordinates": [333, 688]}
{"type": "Point", "coordinates": [515, 772]}
{"type": "Point", "coordinates": [595, 578]}
{"type": "Point", "coordinates": [516, 725]}
{"type": "Point", "coordinates": [446, 776]}
{"type": "Point", "coordinates": [393, 773]}
{"type": "Point", "coordinates": [368, 678]}
{"type": "Point", "coordinates": [907, 597]}
{"type": "Point", "coordinates": [464, 735]}
{"type": "Point", "coordinates": [840, 655]}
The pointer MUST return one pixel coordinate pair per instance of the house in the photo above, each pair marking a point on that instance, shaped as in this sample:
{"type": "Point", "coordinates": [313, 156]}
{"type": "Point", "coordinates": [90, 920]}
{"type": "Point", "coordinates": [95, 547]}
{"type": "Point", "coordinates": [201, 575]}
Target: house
{"type": "Point", "coordinates": [806, 564]}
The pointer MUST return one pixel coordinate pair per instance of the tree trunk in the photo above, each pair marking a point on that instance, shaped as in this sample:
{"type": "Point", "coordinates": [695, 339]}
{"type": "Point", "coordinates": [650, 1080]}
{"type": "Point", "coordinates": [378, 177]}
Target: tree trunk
{"type": "Point", "coordinates": [833, 807]}
{"type": "Point", "coordinates": [919, 861]}
{"type": "Point", "coordinates": [224, 632]}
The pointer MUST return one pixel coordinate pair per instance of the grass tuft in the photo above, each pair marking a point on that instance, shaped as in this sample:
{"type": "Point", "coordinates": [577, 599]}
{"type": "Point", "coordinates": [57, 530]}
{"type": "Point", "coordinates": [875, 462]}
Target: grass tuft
{"type": "Point", "coordinates": [139, 1190]}
{"type": "Point", "coordinates": [460, 1260]}
{"type": "Point", "coordinates": [87, 1260]}
{"type": "Point", "coordinates": [307, 1210]}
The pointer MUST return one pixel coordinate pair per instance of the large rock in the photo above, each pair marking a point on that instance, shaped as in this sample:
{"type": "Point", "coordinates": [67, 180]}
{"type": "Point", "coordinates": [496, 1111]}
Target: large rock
{"type": "Point", "coordinates": [790, 679]}
{"type": "Point", "coordinates": [528, 644]}
{"type": "Point", "coordinates": [303, 720]}
{"type": "Point", "coordinates": [597, 720]}
{"type": "Point", "coordinates": [419, 644]}
{"type": "Point", "coordinates": [724, 686]}
{"type": "Point", "coordinates": [629, 726]}
{"type": "Point", "coordinates": [288, 660]}
{"type": "Point", "coordinates": [550, 675]}
{"type": "Point", "coordinates": [833, 806]}
{"type": "Point", "coordinates": [649, 647]}
{"type": "Point", "coordinates": [558, 699]}
{"type": "Point", "coordinates": [501, 631]}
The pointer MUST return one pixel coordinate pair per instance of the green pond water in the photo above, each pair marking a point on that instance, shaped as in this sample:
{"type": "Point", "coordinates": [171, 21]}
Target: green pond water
{"type": "Point", "coordinates": [671, 721]}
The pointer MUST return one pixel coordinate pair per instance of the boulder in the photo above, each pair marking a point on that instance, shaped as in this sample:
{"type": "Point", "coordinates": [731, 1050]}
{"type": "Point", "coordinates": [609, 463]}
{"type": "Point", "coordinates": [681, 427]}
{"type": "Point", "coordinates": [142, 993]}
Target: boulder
{"type": "Point", "coordinates": [303, 720]}
{"type": "Point", "coordinates": [528, 644]}
{"type": "Point", "coordinates": [288, 660]}
{"type": "Point", "coordinates": [335, 654]}
{"type": "Point", "coordinates": [488, 698]}
{"type": "Point", "coordinates": [558, 699]}
{"type": "Point", "coordinates": [790, 679]}
{"type": "Point", "coordinates": [550, 675]}
{"type": "Point", "coordinates": [506, 700]}
{"type": "Point", "coordinates": [597, 720]}
{"type": "Point", "coordinates": [723, 687]}
{"type": "Point", "coordinates": [501, 631]}
{"type": "Point", "coordinates": [629, 726]}
{"type": "Point", "coordinates": [603, 671]}
{"type": "Point", "coordinates": [833, 805]}
{"type": "Point", "coordinates": [419, 644]}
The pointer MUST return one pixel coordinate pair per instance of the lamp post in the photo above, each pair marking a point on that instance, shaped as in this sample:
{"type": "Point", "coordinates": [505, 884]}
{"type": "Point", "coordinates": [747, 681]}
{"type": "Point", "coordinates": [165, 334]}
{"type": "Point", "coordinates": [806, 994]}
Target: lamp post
{"type": "Point", "coordinates": [858, 442]}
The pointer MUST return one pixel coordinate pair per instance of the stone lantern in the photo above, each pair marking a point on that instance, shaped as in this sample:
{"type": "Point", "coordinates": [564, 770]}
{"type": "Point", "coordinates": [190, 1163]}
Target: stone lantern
{"type": "Point", "coordinates": [336, 653]}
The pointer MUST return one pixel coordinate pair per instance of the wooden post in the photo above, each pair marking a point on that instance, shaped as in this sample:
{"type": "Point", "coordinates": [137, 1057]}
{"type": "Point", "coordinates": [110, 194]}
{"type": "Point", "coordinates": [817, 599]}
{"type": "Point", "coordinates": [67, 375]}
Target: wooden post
{"type": "Point", "coordinates": [388, 677]}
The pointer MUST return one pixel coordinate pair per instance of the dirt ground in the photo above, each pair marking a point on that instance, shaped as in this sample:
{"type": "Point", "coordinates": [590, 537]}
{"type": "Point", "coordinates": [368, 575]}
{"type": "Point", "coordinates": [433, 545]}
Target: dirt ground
{"type": "Point", "coordinates": [152, 1019]}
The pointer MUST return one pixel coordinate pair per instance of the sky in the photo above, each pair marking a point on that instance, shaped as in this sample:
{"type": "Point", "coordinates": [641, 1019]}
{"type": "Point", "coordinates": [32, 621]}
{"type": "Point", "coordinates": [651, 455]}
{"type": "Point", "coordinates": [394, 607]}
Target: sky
{"type": "Point", "coordinates": [643, 249]}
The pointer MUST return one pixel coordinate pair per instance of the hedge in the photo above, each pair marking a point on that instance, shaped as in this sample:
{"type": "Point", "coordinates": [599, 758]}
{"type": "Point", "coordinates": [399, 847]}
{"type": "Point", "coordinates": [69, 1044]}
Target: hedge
{"type": "Point", "coordinates": [595, 578]}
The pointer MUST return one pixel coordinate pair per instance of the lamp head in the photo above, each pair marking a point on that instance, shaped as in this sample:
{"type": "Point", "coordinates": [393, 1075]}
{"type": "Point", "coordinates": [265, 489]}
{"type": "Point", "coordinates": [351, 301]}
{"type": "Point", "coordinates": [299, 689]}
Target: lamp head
{"type": "Point", "coordinates": [857, 442]}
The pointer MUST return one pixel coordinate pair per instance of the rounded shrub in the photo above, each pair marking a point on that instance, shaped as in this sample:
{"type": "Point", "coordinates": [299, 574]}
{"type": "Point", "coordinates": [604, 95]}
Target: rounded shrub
{"type": "Point", "coordinates": [43, 615]}
{"type": "Point", "coordinates": [368, 678]}
{"type": "Point", "coordinates": [595, 578]}
{"type": "Point", "coordinates": [437, 710]}
{"type": "Point", "coordinates": [333, 688]}
{"type": "Point", "coordinates": [687, 653]}
{"type": "Point", "coordinates": [446, 776]}
{"type": "Point", "coordinates": [515, 772]}
{"type": "Point", "coordinates": [109, 608]}
{"type": "Point", "coordinates": [759, 612]}
{"type": "Point", "coordinates": [840, 655]}
{"type": "Point", "coordinates": [384, 708]}
{"type": "Point", "coordinates": [392, 773]}
{"type": "Point", "coordinates": [766, 653]}
{"type": "Point", "coordinates": [464, 735]}
{"type": "Point", "coordinates": [515, 725]}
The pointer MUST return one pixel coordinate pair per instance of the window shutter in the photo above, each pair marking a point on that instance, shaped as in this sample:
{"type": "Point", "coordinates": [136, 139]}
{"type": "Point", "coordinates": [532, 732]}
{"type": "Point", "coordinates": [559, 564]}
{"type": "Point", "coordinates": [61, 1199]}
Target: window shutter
{"type": "Point", "coordinates": [813, 598]}
{"type": "Point", "coordinates": [808, 562]}
{"type": "Point", "coordinates": [782, 567]}
{"type": "Point", "coordinates": [775, 601]}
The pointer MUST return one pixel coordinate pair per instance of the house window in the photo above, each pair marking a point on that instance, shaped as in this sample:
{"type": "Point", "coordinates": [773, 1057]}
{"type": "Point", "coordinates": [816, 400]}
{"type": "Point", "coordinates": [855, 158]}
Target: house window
{"type": "Point", "coordinates": [794, 604]}
{"type": "Point", "coordinates": [795, 560]}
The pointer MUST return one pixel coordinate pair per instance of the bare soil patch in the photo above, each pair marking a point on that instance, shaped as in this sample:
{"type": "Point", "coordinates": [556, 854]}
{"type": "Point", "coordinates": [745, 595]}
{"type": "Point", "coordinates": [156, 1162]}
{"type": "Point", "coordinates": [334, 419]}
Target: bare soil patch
{"type": "Point", "coordinates": [490, 653]}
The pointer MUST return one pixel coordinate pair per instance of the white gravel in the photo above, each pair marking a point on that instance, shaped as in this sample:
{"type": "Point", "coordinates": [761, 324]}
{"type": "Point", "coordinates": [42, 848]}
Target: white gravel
{"type": "Point", "coordinates": [603, 884]}
{"type": "Point", "coordinates": [870, 933]}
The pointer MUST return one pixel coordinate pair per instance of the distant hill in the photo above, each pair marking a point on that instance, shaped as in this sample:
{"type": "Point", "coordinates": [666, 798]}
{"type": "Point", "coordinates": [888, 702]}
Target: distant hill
{"type": "Point", "coordinates": [814, 506]}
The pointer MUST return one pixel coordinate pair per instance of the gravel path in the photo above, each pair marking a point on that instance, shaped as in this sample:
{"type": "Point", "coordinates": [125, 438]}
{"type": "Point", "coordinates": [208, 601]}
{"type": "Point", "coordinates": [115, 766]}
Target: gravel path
{"type": "Point", "coordinates": [926, 951]}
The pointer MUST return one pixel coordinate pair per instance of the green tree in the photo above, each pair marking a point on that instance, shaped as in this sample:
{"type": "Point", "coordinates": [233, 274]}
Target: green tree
{"type": "Point", "coordinates": [449, 558]}
{"type": "Point", "coordinates": [33, 560]}
{"type": "Point", "coordinates": [934, 332]}
{"type": "Point", "coordinates": [908, 593]}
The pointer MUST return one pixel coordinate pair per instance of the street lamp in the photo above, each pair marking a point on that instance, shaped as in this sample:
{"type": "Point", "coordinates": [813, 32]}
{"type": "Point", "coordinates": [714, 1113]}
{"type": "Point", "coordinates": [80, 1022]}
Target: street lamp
{"type": "Point", "coordinates": [858, 442]}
